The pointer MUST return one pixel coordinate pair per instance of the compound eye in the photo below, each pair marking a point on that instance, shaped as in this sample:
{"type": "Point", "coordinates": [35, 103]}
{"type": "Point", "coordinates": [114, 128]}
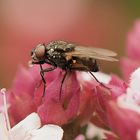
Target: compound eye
{"type": "Point", "coordinates": [40, 51]}
{"type": "Point", "coordinates": [32, 52]}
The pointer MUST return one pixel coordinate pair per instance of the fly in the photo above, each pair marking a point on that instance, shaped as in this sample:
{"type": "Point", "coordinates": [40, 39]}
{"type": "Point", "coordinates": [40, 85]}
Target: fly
{"type": "Point", "coordinates": [69, 56]}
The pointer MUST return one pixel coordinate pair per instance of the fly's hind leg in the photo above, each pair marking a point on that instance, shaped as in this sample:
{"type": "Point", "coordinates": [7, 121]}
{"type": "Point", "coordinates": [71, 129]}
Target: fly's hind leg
{"type": "Point", "coordinates": [98, 80]}
{"type": "Point", "coordinates": [94, 77]}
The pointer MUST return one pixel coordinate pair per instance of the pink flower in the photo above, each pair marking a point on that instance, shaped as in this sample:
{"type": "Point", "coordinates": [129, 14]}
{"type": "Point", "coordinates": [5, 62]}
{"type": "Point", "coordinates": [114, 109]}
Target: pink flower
{"type": "Point", "coordinates": [97, 96]}
{"type": "Point", "coordinates": [76, 102]}
{"type": "Point", "coordinates": [117, 86]}
{"type": "Point", "coordinates": [24, 95]}
{"type": "Point", "coordinates": [80, 101]}
{"type": "Point", "coordinates": [124, 122]}
{"type": "Point", "coordinates": [77, 99]}
{"type": "Point", "coordinates": [65, 109]}
{"type": "Point", "coordinates": [102, 95]}
{"type": "Point", "coordinates": [131, 61]}
{"type": "Point", "coordinates": [80, 98]}
{"type": "Point", "coordinates": [118, 109]}
{"type": "Point", "coordinates": [124, 113]}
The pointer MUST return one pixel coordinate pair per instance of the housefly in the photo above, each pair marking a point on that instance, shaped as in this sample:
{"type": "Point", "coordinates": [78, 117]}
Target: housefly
{"type": "Point", "coordinates": [69, 56]}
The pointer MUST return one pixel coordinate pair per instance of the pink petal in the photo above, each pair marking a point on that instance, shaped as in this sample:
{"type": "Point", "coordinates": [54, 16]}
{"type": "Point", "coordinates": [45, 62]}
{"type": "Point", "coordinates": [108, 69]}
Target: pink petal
{"type": "Point", "coordinates": [128, 66]}
{"type": "Point", "coordinates": [102, 96]}
{"type": "Point", "coordinates": [117, 86]}
{"type": "Point", "coordinates": [59, 111]}
{"type": "Point", "coordinates": [87, 105]}
{"type": "Point", "coordinates": [111, 137]}
{"type": "Point", "coordinates": [24, 82]}
{"type": "Point", "coordinates": [116, 81]}
{"type": "Point", "coordinates": [80, 137]}
{"type": "Point", "coordinates": [52, 112]}
{"type": "Point", "coordinates": [123, 122]}
{"type": "Point", "coordinates": [133, 42]}
{"type": "Point", "coordinates": [49, 76]}
{"type": "Point", "coordinates": [20, 107]}
{"type": "Point", "coordinates": [26, 92]}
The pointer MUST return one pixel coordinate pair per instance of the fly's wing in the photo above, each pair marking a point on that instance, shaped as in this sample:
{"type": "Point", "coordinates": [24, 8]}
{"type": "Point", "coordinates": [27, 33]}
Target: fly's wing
{"type": "Point", "coordinates": [95, 53]}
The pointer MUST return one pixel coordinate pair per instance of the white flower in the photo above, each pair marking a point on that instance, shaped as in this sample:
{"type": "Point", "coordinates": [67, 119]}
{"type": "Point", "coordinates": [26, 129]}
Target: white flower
{"type": "Point", "coordinates": [131, 99]}
{"type": "Point", "coordinates": [29, 129]}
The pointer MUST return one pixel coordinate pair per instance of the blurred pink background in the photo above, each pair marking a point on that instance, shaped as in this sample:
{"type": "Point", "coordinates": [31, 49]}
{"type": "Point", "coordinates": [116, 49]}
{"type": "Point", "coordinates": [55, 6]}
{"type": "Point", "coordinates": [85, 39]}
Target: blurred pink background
{"type": "Point", "coordinates": [98, 23]}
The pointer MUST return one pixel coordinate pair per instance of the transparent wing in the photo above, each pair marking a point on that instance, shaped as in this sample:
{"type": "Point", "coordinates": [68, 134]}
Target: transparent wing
{"type": "Point", "coordinates": [95, 53]}
{"type": "Point", "coordinates": [100, 51]}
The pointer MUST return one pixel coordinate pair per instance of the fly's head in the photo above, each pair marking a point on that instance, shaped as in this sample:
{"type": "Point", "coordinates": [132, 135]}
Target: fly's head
{"type": "Point", "coordinates": [39, 54]}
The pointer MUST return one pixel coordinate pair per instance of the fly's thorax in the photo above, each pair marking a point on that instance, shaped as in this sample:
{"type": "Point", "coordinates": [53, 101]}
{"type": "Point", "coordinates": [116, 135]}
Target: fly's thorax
{"type": "Point", "coordinates": [60, 46]}
{"type": "Point", "coordinates": [57, 53]}
{"type": "Point", "coordinates": [57, 58]}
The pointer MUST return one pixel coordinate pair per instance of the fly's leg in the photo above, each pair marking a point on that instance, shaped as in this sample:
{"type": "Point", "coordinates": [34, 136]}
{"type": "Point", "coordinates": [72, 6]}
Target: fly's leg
{"type": "Point", "coordinates": [98, 80]}
{"type": "Point", "coordinates": [62, 84]}
{"type": "Point", "coordinates": [94, 77]}
{"type": "Point", "coordinates": [43, 79]}
{"type": "Point", "coordinates": [42, 71]}
{"type": "Point", "coordinates": [96, 69]}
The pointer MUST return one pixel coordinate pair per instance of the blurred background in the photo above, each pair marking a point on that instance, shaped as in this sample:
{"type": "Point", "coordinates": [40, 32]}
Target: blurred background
{"type": "Point", "coordinates": [25, 23]}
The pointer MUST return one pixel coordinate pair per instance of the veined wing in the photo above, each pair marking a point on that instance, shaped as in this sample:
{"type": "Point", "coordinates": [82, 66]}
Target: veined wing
{"type": "Point", "coordinates": [100, 51]}
{"type": "Point", "coordinates": [95, 53]}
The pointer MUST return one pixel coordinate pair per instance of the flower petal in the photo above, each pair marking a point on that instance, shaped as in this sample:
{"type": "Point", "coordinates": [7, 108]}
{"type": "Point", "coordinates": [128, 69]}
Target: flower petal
{"type": "Point", "coordinates": [49, 132]}
{"type": "Point", "coordinates": [80, 137]}
{"type": "Point", "coordinates": [87, 105]}
{"type": "Point", "coordinates": [132, 98]}
{"type": "Point", "coordinates": [24, 82]}
{"type": "Point", "coordinates": [138, 135]}
{"type": "Point", "coordinates": [133, 42]}
{"type": "Point", "coordinates": [135, 80]}
{"type": "Point", "coordinates": [64, 106]}
{"type": "Point", "coordinates": [20, 107]}
{"type": "Point", "coordinates": [86, 77]}
{"type": "Point", "coordinates": [128, 66]}
{"type": "Point", "coordinates": [3, 129]}
{"type": "Point", "coordinates": [21, 130]}
{"type": "Point", "coordinates": [117, 86]}
{"type": "Point", "coordinates": [123, 121]}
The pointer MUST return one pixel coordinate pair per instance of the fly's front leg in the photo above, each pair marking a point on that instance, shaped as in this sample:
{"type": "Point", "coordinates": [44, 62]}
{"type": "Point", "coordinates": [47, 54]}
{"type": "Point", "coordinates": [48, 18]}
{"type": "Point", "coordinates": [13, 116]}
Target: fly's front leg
{"type": "Point", "coordinates": [42, 71]}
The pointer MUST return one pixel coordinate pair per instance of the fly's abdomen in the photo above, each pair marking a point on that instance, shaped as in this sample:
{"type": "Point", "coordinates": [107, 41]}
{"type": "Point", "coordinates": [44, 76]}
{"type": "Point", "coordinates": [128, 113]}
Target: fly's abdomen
{"type": "Point", "coordinates": [91, 64]}
{"type": "Point", "coordinates": [84, 64]}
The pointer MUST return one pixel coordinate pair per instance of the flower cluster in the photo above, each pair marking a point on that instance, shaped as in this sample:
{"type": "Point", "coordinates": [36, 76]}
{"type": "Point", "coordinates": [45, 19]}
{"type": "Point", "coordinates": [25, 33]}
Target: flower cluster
{"type": "Point", "coordinates": [80, 105]}
{"type": "Point", "coordinates": [131, 61]}
{"type": "Point", "coordinates": [25, 97]}
{"type": "Point", "coordinates": [83, 100]}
